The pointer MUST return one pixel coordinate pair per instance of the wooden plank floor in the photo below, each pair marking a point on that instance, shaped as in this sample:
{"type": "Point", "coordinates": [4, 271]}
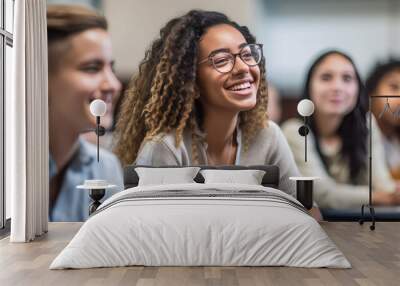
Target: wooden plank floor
{"type": "Point", "coordinates": [375, 257]}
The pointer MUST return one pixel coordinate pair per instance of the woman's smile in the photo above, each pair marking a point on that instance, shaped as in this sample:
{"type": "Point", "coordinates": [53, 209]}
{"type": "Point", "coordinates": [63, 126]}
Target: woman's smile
{"type": "Point", "coordinates": [243, 88]}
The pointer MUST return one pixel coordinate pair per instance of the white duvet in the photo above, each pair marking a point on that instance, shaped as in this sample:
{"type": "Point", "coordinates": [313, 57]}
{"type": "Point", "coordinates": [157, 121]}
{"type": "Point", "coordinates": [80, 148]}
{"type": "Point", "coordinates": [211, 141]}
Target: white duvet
{"type": "Point", "coordinates": [200, 224]}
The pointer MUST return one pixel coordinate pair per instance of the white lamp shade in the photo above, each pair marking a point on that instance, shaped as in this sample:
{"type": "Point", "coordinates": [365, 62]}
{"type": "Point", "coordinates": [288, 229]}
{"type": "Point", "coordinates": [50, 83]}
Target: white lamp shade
{"type": "Point", "coordinates": [305, 107]}
{"type": "Point", "coordinates": [98, 107]}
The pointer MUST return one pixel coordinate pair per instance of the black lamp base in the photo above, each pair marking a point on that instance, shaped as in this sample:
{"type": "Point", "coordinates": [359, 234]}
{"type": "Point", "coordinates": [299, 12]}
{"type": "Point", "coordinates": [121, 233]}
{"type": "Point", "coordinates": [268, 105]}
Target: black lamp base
{"type": "Point", "coordinates": [304, 192]}
{"type": "Point", "coordinates": [96, 195]}
{"type": "Point", "coordinates": [372, 212]}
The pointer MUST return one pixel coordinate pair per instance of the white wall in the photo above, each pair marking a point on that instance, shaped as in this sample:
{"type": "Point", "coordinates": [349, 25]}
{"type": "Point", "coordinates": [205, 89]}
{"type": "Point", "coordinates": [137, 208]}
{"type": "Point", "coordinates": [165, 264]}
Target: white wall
{"type": "Point", "coordinates": [134, 24]}
{"type": "Point", "coordinates": [293, 32]}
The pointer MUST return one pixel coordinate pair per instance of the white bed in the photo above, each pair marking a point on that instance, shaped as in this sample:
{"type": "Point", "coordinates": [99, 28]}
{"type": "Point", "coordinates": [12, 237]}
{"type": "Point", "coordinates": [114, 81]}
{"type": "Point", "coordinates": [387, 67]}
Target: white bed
{"type": "Point", "coordinates": [201, 224]}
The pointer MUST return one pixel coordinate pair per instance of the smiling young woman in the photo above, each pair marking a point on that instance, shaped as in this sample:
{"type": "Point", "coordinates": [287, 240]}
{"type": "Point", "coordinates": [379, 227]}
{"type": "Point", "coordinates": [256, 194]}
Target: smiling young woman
{"type": "Point", "coordinates": [200, 97]}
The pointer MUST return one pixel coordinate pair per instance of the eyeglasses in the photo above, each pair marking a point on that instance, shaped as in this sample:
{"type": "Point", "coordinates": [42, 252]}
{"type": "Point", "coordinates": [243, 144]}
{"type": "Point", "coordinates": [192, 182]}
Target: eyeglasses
{"type": "Point", "coordinates": [223, 61]}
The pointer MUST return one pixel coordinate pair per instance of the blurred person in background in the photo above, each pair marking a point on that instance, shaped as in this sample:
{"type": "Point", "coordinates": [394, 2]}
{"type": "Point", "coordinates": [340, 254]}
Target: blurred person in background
{"type": "Point", "coordinates": [338, 149]}
{"type": "Point", "coordinates": [80, 71]}
{"type": "Point", "coordinates": [385, 80]}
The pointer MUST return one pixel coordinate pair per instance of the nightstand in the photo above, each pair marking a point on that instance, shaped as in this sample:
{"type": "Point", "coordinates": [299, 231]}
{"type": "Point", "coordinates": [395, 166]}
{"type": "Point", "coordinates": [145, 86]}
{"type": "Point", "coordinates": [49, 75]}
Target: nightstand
{"type": "Point", "coordinates": [97, 190]}
{"type": "Point", "coordinates": [304, 190]}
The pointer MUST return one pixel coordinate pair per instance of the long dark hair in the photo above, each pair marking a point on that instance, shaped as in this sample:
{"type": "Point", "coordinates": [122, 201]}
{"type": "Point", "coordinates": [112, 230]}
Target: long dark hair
{"type": "Point", "coordinates": [163, 96]}
{"type": "Point", "coordinates": [353, 130]}
{"type": "Point", "coordinates": [378, 73]}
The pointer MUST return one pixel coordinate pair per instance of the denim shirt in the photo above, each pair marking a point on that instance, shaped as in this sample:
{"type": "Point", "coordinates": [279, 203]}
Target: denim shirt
{"type": "Point", "coordinates": [72, 204]}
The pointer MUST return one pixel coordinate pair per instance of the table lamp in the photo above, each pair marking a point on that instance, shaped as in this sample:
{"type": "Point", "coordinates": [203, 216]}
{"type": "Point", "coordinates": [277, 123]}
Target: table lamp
{"type": "Point", "coordinates": [305, 108]}
{"type": "Point", "coordinates": [97, 188]}
{"type": "Point", "coordinates": [304, 185]}
{"type": "Point", "coordinates": [98, 108]}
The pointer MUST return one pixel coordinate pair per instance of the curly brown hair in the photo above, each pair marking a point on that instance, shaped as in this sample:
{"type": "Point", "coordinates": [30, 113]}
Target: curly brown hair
{"type": "Point", "coordinates": [162, 96]}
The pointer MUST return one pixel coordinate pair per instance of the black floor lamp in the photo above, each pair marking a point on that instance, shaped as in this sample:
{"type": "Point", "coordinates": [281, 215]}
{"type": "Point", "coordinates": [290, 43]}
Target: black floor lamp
{"type": "Point", "coordinates": [98, 108]}
{"type": "Point", "coordinates": [305, 108]}
{"type": "Point", "coordinates": [97, 188]}
{"type": "Point", "coordinates": [386, 108]}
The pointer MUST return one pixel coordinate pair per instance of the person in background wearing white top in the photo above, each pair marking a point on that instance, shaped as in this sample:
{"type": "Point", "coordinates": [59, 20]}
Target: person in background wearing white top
{"type": "Point", "coordinates": [338, 149]}
{"type": "Point", "coordinates": [385, 80]}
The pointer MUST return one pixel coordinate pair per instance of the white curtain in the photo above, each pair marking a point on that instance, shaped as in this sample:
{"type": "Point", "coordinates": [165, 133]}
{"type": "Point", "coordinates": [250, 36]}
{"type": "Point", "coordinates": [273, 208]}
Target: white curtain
{"type": "Point", "coordinates": [27, 145]}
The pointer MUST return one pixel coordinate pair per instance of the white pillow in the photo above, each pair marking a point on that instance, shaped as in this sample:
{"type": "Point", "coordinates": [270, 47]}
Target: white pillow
{"type": "Point", "coordinates": [163, 176]}
{"type": "Point", "coordinates": [249, 177]}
